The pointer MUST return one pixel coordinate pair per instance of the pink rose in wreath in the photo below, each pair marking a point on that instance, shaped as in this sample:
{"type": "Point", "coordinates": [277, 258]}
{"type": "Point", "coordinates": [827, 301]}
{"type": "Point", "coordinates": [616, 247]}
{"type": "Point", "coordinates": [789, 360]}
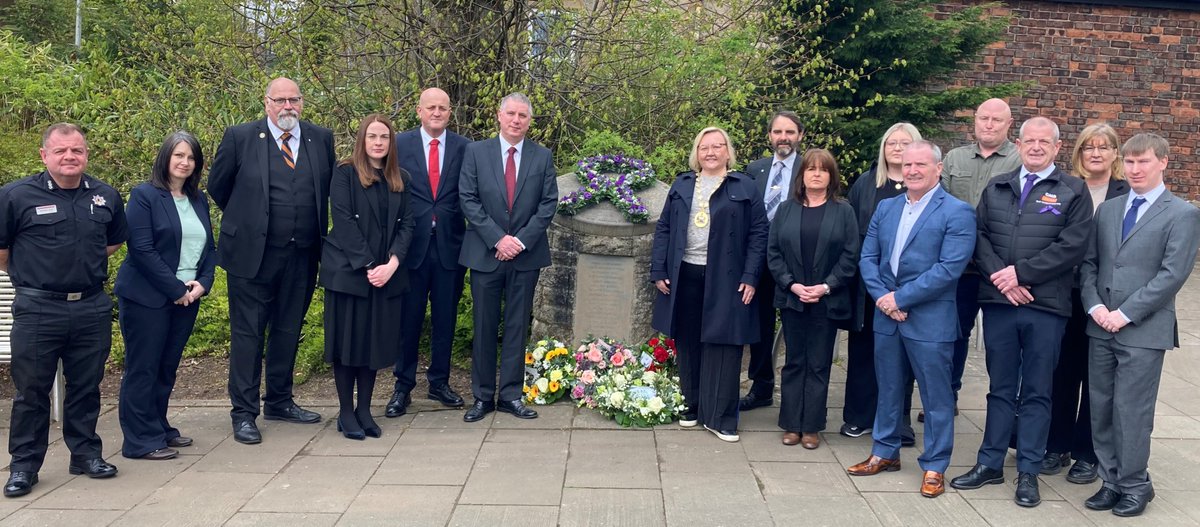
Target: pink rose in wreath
{"type": "Point", "coordinates": [588, 377]}
{"type": "Point", "coordinates": [594, 354]}
{"type": "Point", "coordinates": [618, 359]}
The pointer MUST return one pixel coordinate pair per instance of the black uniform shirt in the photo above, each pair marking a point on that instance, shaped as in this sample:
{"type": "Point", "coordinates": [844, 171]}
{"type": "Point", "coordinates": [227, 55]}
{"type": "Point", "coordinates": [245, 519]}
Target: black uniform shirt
{"type": "Point", "coordinates": [57, 239]}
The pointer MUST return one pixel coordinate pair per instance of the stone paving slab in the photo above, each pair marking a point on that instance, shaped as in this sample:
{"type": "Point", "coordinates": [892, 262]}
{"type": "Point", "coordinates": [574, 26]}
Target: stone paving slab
{"type": "Point", "coordinates": [705, 498]}
{"type": "Point", "coordinates": [401, 505]}
{"type": "Point", "coordinates": [133, 483]}
{"type": "Point", "coordinates": [622, 459]}
{"type": "Point", "coordinates": [518, 467]}
{"type": "Point", "coordinates": [315, 484]}
{"type": "Point", "coordinates": [277, 519]}
{"type": "Point", "coordinates": [196, 498]}
{"type": "Point", "coordinates": [431, 456]}
{"type": "Point", "coordinates": [611, 508]}
{"type": "Point", "coordinates": [493, 515]}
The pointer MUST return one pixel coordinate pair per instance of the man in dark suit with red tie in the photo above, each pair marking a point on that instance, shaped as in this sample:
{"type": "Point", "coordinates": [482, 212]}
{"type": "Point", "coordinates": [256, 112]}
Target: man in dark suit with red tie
{"type": "Point", "coordinates": [432, 155]}
{"type": "Point", "coordinates": [508, 193]}
{"type": "Point", "coordinates": [271, 179]}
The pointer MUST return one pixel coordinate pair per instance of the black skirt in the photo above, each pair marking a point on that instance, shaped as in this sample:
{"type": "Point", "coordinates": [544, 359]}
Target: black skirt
{"type": "Point", "coordinates": [362, 331]}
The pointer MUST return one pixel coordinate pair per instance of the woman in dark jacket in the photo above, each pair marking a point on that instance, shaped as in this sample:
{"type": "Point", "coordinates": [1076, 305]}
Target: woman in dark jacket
{"type": "Point", "coordinates": [361, 271]}
{"type": "Point", "coordinates": [709, 246]}
{"type": "Point", "coordinates": [812, 252]}
{"type": "Point", "coordinates": [883, 181]}
{"type": "Point", "coordinates": [1097, 160]}
{"type": "Point", "coordinates": [169, 266]}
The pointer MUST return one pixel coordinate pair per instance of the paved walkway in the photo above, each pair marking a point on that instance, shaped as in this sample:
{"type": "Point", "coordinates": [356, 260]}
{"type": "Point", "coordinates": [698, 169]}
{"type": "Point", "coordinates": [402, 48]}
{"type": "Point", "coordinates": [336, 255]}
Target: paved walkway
{"type": "Point", "coordinates": [573, 467]}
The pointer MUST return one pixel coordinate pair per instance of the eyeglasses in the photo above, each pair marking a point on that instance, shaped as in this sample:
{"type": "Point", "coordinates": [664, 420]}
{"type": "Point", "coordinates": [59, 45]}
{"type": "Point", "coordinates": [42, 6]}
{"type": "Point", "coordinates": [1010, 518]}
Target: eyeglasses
{"type": "Point", "coordinates": [1102, 149]}
{"type": "Point", "coordinates": [713, 148]}
{"type": "Point", "coordinates": [282, 101]}
{"type": "Point", "coordinates": [894, 144]}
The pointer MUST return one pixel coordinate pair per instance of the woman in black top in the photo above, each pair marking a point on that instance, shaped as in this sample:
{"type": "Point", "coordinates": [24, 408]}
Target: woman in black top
{"type": "Point", "coordinates": [812, 252]}
{"type": "Point", "coordinates": [361, 270]}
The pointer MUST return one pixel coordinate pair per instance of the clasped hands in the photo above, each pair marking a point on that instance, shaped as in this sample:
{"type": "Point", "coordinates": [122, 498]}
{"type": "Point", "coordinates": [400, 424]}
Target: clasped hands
{"type": "Point", "coordinates": [379, 275]}
{"type": "Point", "coordinates": [508, 248]}
{"type": "Point", "coordinates": [1006, 281]}
{"type": "Point", "coordinates": [747, 290]}
{"type": "Point", "coordinates": [194, 292]}
{"type": "Point", "coordinates": [809, 294]}
{"type": "Point", "coordinates": [1110, 321]}
{"type": "Point", "coordinates": [887, 304]}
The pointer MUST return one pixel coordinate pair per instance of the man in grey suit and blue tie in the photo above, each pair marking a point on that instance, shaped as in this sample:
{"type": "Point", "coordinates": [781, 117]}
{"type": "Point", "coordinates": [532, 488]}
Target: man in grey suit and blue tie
{"type": "Point", "coordinates": [508, 194]}
{"type": "Point", "coordinates": [773, 177]}
{"type": "Point", "coordinates": [1140, 255]}
{"type": "Point", "coordinates": [917, 246]}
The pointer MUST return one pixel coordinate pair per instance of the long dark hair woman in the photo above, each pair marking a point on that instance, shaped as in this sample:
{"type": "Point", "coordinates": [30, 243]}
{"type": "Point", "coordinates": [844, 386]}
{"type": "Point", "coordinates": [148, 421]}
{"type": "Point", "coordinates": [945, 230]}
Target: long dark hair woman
{"type": "Point", "coordinates": [709, 246]}
{"type": "Point", "coordinates": [361, 271]}
{"type": "Point", "coordinates": [812, 252]}
{"type": "Point", "coordinates": [168, 268]}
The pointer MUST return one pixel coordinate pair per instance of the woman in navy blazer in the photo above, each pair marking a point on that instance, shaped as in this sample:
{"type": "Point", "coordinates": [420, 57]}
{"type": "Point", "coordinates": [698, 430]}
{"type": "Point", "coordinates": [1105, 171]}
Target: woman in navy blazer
{"type": "Point", "coordinates": [361, 270]}
{"type": "Point", "coordinates": [709, 247]}
{"type": "Point", "coordinates": [169, 266]}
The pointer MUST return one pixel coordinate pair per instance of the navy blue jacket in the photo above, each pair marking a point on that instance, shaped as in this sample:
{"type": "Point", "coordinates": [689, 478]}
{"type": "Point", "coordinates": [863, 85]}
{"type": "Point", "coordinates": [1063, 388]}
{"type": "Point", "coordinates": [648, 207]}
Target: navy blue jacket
{"type": "Point", "coordinates": [147, 276]}
{"type": "Point", "coordinates": [450, 223]}
{"type": "Point", "coordinates": [737, 250]}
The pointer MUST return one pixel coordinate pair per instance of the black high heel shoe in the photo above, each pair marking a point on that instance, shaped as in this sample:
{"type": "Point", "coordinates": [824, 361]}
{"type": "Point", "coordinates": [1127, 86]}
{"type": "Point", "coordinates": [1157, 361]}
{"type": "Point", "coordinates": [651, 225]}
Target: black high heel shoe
{"type": "Point", "coordinates": [357, 435]}
{"type": "Point", "coordinates": [369, 426]}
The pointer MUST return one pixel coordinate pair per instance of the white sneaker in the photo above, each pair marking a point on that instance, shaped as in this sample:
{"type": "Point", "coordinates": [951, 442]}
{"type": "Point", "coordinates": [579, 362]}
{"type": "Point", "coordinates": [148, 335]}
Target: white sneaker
{"type": "Point", "coordinates": [688, 421]}
{"type": "Point", "coordinates": [730, 436]}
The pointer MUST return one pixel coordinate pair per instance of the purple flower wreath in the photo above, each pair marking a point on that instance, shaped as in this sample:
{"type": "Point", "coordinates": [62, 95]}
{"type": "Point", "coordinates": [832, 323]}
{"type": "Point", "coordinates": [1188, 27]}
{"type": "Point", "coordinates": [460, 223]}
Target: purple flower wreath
{"type": "Point", "coordinates": [612, 177]}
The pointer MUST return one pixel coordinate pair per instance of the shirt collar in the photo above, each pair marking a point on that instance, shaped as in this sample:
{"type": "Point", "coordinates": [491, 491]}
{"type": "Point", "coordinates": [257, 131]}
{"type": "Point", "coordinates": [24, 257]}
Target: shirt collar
{"type": "Point", "coordinates": [1150, 196]}
{"type": "Point", "coordinates": [787, 161]}
{"type": "Point", "coordinates": [426, 138]}
{"type": "Point", "coordinates": [1042, 174]}
{"type": "Point", "coordinates": [1006, 149]}
{"type": "Point", "coordinates": [924, 199]}
{"type": "Point", "coordinates": [505, 145]}
{"type": "Point", "coordinates": [84, 181]}
{"type": "Point", "coordinates": [277, 131]}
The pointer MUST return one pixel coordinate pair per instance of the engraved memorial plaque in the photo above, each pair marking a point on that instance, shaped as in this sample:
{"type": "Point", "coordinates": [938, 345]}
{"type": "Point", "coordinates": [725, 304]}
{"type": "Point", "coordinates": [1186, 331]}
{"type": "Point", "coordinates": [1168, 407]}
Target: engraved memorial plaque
{"type": "Point", "coordinates": [604, 296]}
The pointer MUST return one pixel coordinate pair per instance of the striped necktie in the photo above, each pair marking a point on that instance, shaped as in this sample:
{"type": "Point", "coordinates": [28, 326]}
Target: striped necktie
{"type": "Point", "coordinates": [774, 191]}
{"type": "Point", "coordinates": [287, 150]}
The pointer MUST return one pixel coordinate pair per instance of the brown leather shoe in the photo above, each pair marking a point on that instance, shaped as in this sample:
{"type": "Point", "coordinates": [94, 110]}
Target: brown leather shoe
{"type": "Point", "coordinates": [791, 438]}
{"type": "Point", "coordinates": [874, 465]}
{"type": "Point", "coordinates": [810, 441]}
{"type": "Point", "coordinates": [934, 484]}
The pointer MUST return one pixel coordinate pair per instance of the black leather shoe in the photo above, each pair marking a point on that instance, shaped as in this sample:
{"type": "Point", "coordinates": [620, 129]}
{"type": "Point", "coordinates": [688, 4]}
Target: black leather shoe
{"type": "Point", "coordinates": [906, 440]}
{"type": "Point", "coordinates": [444, 394]}
{"type": "Point", "coordinates": [478, 411]}
{"type": "Point", "coordinates": [398, 404]}
{"type": "Point", "coordinates": [1132, 505]}
{"type": "Point", "coordinates": [20, 484]}
{"type": "Point", "coordinates": [978, 476]}
{"type": "Point", "coordinates": [160, 454]}
{"type": "Point", "coordinates": [94, 468]}
{"type": "Point", "coordinates": [1027, 490]}
{"type": "Point", "coordinates": [517, 408]}
{"type": "Point", "coordinates": [1082, 472]}
{"type": "Point", "coordinates": [292, 414]}
{"type": "Point", "coordinates": [179, 442]}
{"type": "Point", "coordinates": [1104, 499]}
{"type": "Point", "coordinates": [751, 401]}
{"type": "Point", "coordinates": [246, 433]}
{"type": "Point", "coordinates": [1053, 463]}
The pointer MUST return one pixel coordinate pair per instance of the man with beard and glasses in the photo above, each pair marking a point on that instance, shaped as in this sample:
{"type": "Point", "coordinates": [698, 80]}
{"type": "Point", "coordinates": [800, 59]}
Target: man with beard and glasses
{"type": "Point", "coordinates": [271, 178]}
{"type": "Point", "coordinates": [773, 176]}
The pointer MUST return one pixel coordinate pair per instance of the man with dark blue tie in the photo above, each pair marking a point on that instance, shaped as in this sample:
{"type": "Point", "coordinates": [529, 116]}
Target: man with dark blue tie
{"type": "Point", "coordinates": [1034, 225]}
{"type": "Point", "coordinates": [432, 156]}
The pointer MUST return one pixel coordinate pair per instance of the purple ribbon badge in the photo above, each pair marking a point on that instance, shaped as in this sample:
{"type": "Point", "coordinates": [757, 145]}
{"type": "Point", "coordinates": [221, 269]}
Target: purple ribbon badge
{"type": "Point", "coordinates": [1049, 208]}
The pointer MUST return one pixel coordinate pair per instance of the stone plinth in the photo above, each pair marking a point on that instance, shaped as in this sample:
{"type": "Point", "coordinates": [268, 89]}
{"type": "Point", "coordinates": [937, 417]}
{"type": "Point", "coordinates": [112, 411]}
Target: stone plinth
{"type": "Point", "coordinates": [598, 282]}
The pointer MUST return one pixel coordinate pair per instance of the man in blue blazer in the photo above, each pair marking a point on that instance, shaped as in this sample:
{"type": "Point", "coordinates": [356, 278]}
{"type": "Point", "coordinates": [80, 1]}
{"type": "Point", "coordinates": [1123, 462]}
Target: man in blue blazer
{"type": "Point", "coordinates": [916, 248]}
{"type": "Point", "coordinates": [432, 155]}
{"type": "Point", "coordinates": [508, 194]}
{"type": "Point", "coordinates": [1141, 253]}
{"type": "Point", "coordinates": [271, 178]}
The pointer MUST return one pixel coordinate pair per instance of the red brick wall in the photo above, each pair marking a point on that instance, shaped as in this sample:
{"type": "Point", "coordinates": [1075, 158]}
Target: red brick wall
{"type": "Point", "coordinates": [1136, 68]}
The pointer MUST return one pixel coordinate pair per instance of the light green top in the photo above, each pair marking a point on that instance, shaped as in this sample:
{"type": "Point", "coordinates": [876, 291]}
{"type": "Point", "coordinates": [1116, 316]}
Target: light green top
{"type": "Point", "coordinates": [193, 238]}
{"type": "Point", "coordinates": [965, 172]}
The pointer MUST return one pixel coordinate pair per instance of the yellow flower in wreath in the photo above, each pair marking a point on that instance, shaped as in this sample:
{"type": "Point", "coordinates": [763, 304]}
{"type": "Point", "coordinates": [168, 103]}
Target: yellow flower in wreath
{"type": "Point", "coordinates": [528, 358]}
{"type": "Point", "coordinates": [533, 392]}
{"type": "Point", "coordinates": [556, 375]}
{"type": "Point", "coordinates": [554, 386]}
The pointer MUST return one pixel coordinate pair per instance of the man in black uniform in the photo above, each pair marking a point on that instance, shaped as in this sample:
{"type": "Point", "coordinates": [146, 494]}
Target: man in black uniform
{"type": "Point", "coordinates": [57, 230]}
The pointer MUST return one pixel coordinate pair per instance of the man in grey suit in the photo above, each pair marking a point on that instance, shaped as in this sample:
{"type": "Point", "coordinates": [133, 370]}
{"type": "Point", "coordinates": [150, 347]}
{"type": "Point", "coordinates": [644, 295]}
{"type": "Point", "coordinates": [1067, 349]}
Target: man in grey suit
{"type": "Point", "coordinates": [508, 194]}
{"type": "Point", "coordinates": [773, 177]}
{"type": "Point", "coordinates": [1151, 238]}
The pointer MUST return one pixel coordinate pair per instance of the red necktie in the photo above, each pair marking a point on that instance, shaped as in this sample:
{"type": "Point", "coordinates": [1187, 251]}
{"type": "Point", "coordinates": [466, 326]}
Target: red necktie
{"type": "Point", "coordinates": [434, 170]}
{"type": "Point", "coordinates": [510, 176]}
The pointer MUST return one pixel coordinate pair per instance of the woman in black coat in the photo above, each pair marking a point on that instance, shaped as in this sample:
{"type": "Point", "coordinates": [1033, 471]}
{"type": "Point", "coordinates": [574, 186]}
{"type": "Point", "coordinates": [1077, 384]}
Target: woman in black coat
{"type": "Point", "coordinates": [169, 266]}
{"type": "Point", "coordinates": [361, 270]}
{"type": "Point", "coordinates": [709, 246]}
{"type": "Point", "coordinates": [812, 252]}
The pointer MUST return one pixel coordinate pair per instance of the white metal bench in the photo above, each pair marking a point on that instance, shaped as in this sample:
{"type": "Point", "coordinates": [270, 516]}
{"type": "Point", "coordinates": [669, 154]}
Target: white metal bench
{"type": "Point", "coordinates": [7, 294]}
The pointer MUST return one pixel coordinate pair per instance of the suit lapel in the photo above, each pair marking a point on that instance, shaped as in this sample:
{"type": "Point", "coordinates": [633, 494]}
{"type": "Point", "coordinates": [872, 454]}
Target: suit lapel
{"type": "Point", "coordinates": [167, 202]}
{"type": "Point", "coordinates": [934, 203]}
{"type": "Point", "coordinates": [416, 149]}
{"type": "Point", "coordinates": [267, 143]}
{"type": "Point", "coordinates": [523, 171]}
{"type": "Point", "coordinates": [372, 201]}
{"type": "Point", "coordinates": [687, 188]}
{"type": "Point", "coordinates": [394, 200]}
{"type": "Point", "coordinates": [824, 234]}
{"type": "Point", "coordinates": [889, 226]}
{"type": "Point", "coordinates": [1157, 208]}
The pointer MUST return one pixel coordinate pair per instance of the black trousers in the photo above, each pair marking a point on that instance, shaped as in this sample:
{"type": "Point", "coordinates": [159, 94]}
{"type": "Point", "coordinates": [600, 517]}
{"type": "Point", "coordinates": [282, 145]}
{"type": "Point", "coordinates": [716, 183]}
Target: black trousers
{"type": "Point", "coordinates": [761, 369]}
{"type": "Point", "coordinates": [488, 289]}
{"type": "Point", "coordinates": [709, 374]}
{"type": "Point", "coordinates": [862, 388]}
{"type": "Point", "coordinates": [44, 332]}
{"type": "Point", "coordinates": [1070, 412]}
{"type": "Point", "coordinates": [804, 381]}
{"type": "Point", "coordinates": [441, 289]}
{"type": "Point", "coordinates": [154, 342]}
{"type": "Point", "coordinates": [272, 303]}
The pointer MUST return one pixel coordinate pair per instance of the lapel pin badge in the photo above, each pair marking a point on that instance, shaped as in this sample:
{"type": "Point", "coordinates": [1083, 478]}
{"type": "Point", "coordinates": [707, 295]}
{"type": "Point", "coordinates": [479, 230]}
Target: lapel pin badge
{"type": "Point", "coordinates": [262, 135]}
